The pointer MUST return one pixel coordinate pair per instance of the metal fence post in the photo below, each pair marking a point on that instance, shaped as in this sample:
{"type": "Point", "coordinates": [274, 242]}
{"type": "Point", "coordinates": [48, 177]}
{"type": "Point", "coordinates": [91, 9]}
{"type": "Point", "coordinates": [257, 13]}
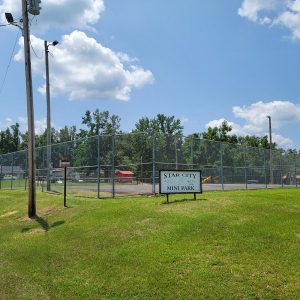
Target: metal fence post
{"type": "Point", "coordinates": [113, 164]}
{"type": "Point", "coordinates": [98, 175]}
{"type": "Point", "coordinates": [281, 169]}
{"type": "Point", "coordinates": [221, 162]}
{"type": "Point", "coordinates": [153, 162]}
{"type": "Point", "coordinates": [26, 170]}
{"type": "Point", "coordinates": [265, 166]}
{"type": "Point", "coordinates": [192, 154]}
{"type": "Point", "coordinates": [12, 171]}
{"type": "Point", "coordinates": [0, 172]}
{"type": "Point", "coordinates": [48, 148]}
{"type": "Point", "coordinates": [245, 168]}
{"type": "Point", "coordinates": [141, 171]}
{"type": "Point", "coordinates": [296, 183]}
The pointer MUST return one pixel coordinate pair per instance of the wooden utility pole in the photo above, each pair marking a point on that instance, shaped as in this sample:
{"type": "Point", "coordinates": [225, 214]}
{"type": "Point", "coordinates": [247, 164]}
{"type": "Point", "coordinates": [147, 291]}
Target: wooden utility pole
{"type": "Point", "coordinates": [30, 115]}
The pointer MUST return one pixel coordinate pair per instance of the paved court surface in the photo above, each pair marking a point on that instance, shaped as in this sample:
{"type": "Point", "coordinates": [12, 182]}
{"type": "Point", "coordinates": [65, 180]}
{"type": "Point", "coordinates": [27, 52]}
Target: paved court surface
{"type": "Point", "coordinates": [144, 189]}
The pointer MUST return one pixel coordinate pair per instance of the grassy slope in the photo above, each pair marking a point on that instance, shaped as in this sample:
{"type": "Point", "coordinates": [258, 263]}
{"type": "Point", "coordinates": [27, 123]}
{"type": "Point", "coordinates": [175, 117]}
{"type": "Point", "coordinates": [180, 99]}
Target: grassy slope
{"type": "Point", "coordinates": [231, 245]}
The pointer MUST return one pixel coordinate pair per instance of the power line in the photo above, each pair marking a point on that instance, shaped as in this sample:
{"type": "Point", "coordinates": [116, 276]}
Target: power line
{"type": "Point", "coordinates": [39, 57]}
{"type": "Point", "coordinates": [30, 23]}
{"type": "Point", "coordinates": [9, 63]}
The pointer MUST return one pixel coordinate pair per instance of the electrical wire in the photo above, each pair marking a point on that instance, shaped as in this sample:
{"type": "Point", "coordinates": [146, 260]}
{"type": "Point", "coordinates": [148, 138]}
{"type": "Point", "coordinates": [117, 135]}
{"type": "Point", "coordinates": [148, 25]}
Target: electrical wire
{"type": "Point", "coordinates": [39, 57]}
{"type": "Point", "coordinates": [30, 21]}
{"type": "Point", "coordinates": [9, 63]}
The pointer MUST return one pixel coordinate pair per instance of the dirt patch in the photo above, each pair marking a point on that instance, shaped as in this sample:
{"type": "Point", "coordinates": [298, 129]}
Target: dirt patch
{"type": "Point", "coordinates": [10, 213]}
{"type": "Point", "coordinates": [44, 211]}
{"type": "Point", "coordinates": [298, 234]}
{"type": "Point", "coordinates": [28, 231]}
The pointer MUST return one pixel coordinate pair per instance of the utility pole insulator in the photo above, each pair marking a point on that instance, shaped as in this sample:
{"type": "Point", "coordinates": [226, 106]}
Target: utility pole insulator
{"type": "Point", "coordinates": [34, 7]}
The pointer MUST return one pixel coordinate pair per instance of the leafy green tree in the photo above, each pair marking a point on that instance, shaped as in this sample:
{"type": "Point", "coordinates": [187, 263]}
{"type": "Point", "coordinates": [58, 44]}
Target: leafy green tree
{"type": "Point", "coordinates": [100, 123]}
{"type": "Point", "coordinates": [10, 139]}
{"type": "Point", "coordinates": [67, 134]}
{"type": "Point", "coordinates": [97, 123]}
{"type": "Point", "coordinates": [220, 134]}
{"type": "Point", "coordinates": [168, 139]}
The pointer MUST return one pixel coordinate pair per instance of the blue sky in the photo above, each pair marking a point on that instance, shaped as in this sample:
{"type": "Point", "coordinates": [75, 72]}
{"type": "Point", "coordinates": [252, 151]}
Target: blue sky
{"type": "Point", "coordinates": [202, 61]}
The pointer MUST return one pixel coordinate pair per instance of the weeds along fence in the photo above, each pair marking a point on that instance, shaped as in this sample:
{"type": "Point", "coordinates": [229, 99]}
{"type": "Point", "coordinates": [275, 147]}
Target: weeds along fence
{"type": "Point", "coordinates": [128, 164]}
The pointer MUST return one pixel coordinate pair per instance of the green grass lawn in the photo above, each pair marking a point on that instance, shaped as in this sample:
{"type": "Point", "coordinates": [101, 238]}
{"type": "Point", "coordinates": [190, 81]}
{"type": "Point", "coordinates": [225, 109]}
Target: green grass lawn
{"type": "Point", "coordinates": [229, 245]}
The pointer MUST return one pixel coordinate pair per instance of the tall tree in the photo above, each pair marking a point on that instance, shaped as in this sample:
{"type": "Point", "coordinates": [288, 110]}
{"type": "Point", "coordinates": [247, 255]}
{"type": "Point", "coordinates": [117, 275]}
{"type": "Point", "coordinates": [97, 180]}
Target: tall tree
{"type": "Point", "coordinates": [100, 123]}
{"type": "Point", "coordinates": [220, 134]}
{"type": "Point", "coordinates": [10, 139]}
{"type": "Point", "coordinates": [160, 124]}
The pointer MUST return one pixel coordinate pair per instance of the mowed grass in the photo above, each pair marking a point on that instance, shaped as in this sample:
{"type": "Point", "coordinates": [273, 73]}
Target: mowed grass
{"type": "Point", "coordinates": [229, 245]}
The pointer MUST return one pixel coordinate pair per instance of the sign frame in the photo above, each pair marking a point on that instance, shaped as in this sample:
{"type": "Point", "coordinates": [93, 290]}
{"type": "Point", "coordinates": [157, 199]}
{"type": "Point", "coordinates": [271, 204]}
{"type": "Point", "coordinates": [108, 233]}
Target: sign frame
{"type": "Point", "coordinates": [64, 162]}
{"type": "Point", "coordinates": [179, 192]}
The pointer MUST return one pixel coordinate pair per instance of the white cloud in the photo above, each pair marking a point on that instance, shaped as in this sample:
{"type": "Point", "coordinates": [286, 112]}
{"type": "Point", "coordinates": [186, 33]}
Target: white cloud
{"type": "Point", "coordinates": [7, 123]}
{"type": "Point", "coordinates": [249, 130]}
{"type": "Point", "coordinates": [40, 125]}
{"type": "Point", "coordinates": [285, 13]}
{"type": "Point", "coordinates": [184, 119]}
{"type": "Point", "coordinates": [291, 19]}
{"type": "Point", "coordinates": [251, 9]}
{"type": "Point", "coordinates": [236, 128]}
{"type": "Point", "coordinates": [282, 141]}
{"type": "Point", "coordinates": [282, 113]}
{"type": "Point", "coordinates": [63, 14]}
{"type": "Point", "coordinates": [84, 69]}
{"type": "Point", "coordinates": [256, 123]}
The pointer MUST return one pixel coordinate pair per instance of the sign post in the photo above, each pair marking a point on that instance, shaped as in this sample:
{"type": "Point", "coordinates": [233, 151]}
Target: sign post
{"type": "Point", "coordinates": [180, 182]}
{"type": "Point", "coordinates": [65, 163]}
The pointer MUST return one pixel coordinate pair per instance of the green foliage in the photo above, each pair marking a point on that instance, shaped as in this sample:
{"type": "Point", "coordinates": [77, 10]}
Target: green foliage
{"type": "Point", "coordinates": [160, 124]}
{"type": "Point", "coordinates": [100, 123]}
{"type": "Point", "coordinates": [167, 134]}
{"type": "Point", "coordinates": [10, 139]}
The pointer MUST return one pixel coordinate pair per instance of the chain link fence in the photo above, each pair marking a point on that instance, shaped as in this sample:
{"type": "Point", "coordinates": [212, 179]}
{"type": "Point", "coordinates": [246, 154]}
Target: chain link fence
{"type": "Point", "coordinates": [128, 164]}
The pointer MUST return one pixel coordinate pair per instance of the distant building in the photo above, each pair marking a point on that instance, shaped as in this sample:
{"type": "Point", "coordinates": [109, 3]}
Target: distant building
{"type": "Point", "coordinates": [124, 176]}
{"type": "Point", "coordinates": [11, 172]}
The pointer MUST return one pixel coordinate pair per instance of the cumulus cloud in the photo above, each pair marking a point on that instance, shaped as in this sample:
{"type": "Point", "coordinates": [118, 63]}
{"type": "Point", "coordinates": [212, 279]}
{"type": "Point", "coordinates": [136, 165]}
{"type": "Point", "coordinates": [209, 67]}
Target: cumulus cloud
{"type": "Point", "coordinates": [85, 69]}
{"type": "Point", "coordinates": [236, 128]}
{"type": "Point", "coordinates": [40, 125]}
{"type": "Point", "coordinates": [291, 19]}
{"type": "Point", "coordinates": [249, 130]}
{"type": "Point", "coordinates": [184, 119]}
{"type": "Point", "coordinates": [282, 112]}
{"type": "Point", "coordinates": [251, 9]}
{"type": "Point", "coordinates": [285, 13]}
{"type": "Point", "coordinates": [59, 14]}
{"type": "Point", "coordinates": [7, 123]}
{"type": "Point", "coordinates": [282, 141]}
{"type": "Point", "coordinates": [255, 119]}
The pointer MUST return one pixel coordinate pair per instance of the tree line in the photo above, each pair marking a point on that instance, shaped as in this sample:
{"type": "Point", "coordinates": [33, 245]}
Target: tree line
{"type": "Point", "coordinates": [104, 123]}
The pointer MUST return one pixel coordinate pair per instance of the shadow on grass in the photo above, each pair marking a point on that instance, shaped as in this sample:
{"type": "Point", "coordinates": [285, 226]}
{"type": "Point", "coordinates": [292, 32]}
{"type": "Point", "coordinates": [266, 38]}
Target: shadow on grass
{"type": "Point", "coordinates": [44, 224]}
{"type": "Point", "coordinates": [184, 200]}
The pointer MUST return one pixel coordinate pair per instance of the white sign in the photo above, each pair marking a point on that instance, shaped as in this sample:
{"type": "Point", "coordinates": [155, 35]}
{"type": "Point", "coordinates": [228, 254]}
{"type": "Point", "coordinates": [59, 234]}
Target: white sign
{"type": "Point", "coordinates": [178, 182]}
